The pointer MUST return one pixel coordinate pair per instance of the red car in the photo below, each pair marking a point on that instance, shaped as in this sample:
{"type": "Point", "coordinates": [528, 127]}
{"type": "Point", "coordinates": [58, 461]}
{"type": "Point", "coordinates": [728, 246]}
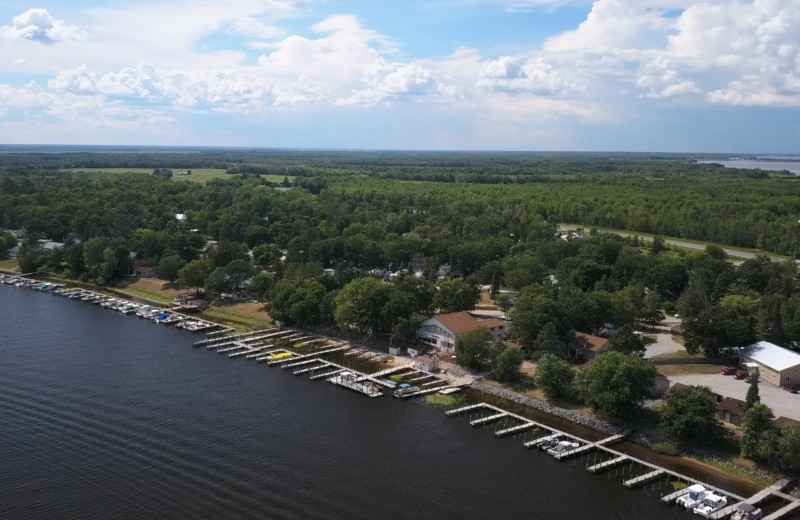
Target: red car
{"type": "Point", "coordinates": [728, 371]}
{"type": "Point", "coordinates": [740, 374]}
{"type": "Point", "coordinates": [790, 388]}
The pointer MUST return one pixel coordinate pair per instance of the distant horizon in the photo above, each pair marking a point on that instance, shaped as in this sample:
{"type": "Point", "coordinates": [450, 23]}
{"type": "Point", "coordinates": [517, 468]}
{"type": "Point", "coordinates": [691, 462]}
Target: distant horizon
{"type": "Point", "coordinates": [790, 157]}
{"type": "Point", "coordinates": [681, 76]}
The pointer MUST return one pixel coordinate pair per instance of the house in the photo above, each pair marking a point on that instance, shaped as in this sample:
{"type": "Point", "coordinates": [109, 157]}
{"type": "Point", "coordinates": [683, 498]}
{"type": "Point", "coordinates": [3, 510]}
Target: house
{"type": "Point", "coordinates": [144, 272]}
{"type": "Point", "coordinates": [13, 252]}
{"type": "Point", "coordinates": [730, 410]}
{"type": "Point", "coordinates": [776, 365]}
{"type": "Point", "coordinates": [586, 346]}
{"type": "Point", "coordinates": [48, 245]}
{"type": "Point", "coordinates": [329, 272]}
{"type": "Point", "coordinates": [426, 363]}
{"type": "Point", "coordinates": [442, 330]}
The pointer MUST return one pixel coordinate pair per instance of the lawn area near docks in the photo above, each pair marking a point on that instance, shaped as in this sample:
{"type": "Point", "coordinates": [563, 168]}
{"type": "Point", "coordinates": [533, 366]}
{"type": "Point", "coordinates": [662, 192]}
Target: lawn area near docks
{"type": "Point", "coordinates": [9, 265]}
{"type": "Point", "coordinates": [201, 175]}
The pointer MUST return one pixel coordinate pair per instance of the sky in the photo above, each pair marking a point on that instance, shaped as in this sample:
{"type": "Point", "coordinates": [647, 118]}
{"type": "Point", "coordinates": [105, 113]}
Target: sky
{"type": "Point", "coordinates": [609, 75]}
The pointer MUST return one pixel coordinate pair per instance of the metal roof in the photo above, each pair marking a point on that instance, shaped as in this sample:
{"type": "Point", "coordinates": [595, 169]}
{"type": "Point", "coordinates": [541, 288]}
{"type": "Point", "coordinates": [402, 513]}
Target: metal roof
{"type": "Point", "coordinates": [772, 356]}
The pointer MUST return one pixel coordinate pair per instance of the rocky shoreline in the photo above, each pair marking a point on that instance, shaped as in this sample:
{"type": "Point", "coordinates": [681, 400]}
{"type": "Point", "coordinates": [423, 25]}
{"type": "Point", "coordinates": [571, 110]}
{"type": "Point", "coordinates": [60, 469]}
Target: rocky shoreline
{"type": "Point", "coordinates": [605, 427]}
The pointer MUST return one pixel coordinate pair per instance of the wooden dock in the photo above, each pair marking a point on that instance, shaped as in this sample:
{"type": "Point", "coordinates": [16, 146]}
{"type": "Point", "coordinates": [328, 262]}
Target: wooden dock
{"type": "Point", "coordinates": [488, 419]}
{"type": "Point", "coordinates": [575, 451]}
{"type": "Point", "coordinates": [785, 510]}
{"type": "Point", "coordinates": [644, 479]}
{"type": "Point", "coordinates": [597, 468]}
{"type": "Point", "coordinates": [535, 443]}
{"type": "Point", "coordinates": [516, 429]}
{"type": "Point", "coordinates": [464, 409]}
{"type": "Point", "coordinates": [675, 495]}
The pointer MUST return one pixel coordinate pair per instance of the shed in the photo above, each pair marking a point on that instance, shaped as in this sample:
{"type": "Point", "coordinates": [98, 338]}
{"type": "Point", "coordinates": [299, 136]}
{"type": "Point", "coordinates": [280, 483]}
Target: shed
{"type": "Point", "coordinates": [144, 272]}
{"type": "Point", "coordinates": [427, 364]}
{"type": "Point", "coordinates": [776, 365]}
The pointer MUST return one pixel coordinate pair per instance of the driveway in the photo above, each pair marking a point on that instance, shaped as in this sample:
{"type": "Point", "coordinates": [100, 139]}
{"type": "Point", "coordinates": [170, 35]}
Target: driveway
{"type": "Point", "coordinates": [782, 402]}
{"type": "Point", "coordinates": [664, 343]}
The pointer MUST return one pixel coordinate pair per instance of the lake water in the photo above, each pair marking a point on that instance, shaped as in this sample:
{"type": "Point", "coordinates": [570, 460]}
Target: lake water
{"type": "Point", "coordinates": [792, 166]}
{"type": "Point", "coordinates": [108, 416]}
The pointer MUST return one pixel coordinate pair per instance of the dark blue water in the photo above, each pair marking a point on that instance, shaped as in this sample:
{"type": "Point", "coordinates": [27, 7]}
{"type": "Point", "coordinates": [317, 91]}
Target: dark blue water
{"type": "Point", "coordinates": [108, 416]}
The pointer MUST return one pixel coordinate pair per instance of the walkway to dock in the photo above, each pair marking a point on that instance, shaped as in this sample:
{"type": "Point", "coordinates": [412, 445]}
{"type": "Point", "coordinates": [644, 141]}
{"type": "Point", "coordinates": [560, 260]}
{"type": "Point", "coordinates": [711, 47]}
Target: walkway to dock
{"type": "Point", "coordinates": [617, 457]}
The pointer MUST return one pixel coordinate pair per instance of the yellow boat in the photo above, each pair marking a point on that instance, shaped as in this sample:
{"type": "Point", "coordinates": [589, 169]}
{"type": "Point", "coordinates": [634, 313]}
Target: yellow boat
{"type": "Point", "coordinates": [279, 355]}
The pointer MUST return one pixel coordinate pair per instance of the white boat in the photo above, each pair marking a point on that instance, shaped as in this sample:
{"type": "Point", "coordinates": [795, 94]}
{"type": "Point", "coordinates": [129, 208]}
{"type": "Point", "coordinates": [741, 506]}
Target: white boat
{"type": "Point", "coordinates": [745, 511]}
{"type": "Point", "coordinates": [710, 505]}
{"type": "Point", "coordinates": [562, 446]}
{"type": "Point", "coordinates": [449, 390]}
{"type": "Point", "coordinates": [694, 495]}
{"type": "Point", "coordinates": [549, 442]}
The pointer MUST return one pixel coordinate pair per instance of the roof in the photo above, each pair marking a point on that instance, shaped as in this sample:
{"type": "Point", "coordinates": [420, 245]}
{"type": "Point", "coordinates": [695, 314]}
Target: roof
{"type": "Point", "coordinates": [593, 343]}
{"type": "Point", "coordinates": [731, 405]}
{"type": "Point", "coordinates": [771, 355]}
{"type": "Point", "coordinates": [463, 322]}
{"type": "Point", "coordinates": [144, 269]}
{"type": "Point", "coordinates": [785, 421]}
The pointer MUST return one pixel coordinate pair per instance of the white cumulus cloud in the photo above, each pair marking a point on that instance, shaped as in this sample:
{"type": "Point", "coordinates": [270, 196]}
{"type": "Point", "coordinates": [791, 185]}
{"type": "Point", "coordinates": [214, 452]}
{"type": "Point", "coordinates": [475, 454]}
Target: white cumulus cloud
{"type": "Point", "coordinates": [38, 25]}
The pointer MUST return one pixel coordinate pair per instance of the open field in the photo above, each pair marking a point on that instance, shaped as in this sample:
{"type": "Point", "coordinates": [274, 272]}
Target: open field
{"type": "Point", "coordinates": [735, 252]}
{"type": "Point", "coordinates": [201, 175]}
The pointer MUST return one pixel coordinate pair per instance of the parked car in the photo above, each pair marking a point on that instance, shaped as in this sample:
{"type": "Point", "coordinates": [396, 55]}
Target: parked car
{"type": "Point", "coordinates": [789, 387]}
{"type": "Point", "coordinates": [728, 371]}
{"type": "Point", "coordinates": [740, 374]}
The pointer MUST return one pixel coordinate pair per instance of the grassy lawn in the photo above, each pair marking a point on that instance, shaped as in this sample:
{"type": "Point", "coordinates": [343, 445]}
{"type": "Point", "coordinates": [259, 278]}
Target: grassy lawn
{"type": "Point", "coordinates": [9, 265]}
{"type": "Point", "coordinates": [234, 319]}
{"type": "Point", "coordinates": [680, 370]}
{"type": "Point", "coordinates": [160, 298]}
{"type": "Point", "coordinates": [201, 175]}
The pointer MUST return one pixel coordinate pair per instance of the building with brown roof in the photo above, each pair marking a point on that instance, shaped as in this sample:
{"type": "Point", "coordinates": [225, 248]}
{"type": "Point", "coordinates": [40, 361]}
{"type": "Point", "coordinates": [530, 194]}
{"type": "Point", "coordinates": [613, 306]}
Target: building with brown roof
{"type": "Point", "coordinates": [586, 346]}
{"type": "Point", "coordinates": [442, 330]}
{"type": "Point", "coordinates": [730, 410]}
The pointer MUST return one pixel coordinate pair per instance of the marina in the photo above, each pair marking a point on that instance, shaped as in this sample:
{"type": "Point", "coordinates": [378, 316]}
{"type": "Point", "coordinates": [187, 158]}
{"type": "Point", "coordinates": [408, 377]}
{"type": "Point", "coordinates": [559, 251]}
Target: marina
{"type": "Point", "coordinates": [279, 347]}
{"type": "Point", "coordinates": [562, 446]}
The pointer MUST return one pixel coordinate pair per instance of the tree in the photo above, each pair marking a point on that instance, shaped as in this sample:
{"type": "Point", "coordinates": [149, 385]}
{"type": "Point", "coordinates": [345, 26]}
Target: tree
{"type": "Point", "coordinates": [787, 449]}
{"type": "Point", "coordinates": [756, 427]}
{"type": "Point", "coordinates": [627, 342]}
{"type": "Point", "coordinates": [753, 396]}
{"type": "Point", "coordinates": [506, 367]}
{"type": "Point", "coordinates": [194, 274]}
{"type": "Point", "coordinates": [455, 295]}
{"type": "Point", "coordinates": [169, 266]}
{"type": "Point", "coordinates": [690, 413]}
{"type": "Point", "coordinates": [554, 376]}
{"type": "Point", "coordinates": [548, 341]}
{"type": "Point", "coordinates": [360, 306]}
{"type": "Point", "coordinates": [535, 308]}
{"type": "Point", "coordinates": [617, 385]}
{"type": "Point", "coordinates": [297, 301]}
{"type": "Point", "coordinates": [218, 283]}
{"type": "Point", "coordinates": [238, 271]}
{"type": "Point", "coordinates": [472, 349]}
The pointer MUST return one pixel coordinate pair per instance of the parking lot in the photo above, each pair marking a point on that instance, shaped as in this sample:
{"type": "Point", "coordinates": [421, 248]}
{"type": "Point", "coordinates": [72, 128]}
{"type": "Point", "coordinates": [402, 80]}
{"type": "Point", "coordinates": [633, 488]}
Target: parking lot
{"type": "Point", "coordinates": [783, 403]}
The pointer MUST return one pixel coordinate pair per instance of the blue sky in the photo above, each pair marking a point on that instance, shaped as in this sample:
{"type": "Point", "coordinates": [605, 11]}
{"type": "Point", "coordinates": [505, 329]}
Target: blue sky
{"type": "Point", "coordinates": [622, 75]}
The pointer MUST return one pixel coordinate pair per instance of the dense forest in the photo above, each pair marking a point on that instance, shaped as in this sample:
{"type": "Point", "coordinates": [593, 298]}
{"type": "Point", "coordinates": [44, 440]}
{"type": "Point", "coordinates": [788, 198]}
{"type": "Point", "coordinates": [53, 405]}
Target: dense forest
{"type": "Point", "coordinates": [491, 217]}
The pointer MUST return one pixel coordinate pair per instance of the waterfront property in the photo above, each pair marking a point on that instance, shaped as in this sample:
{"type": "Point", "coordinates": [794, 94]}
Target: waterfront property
{"type": "Point", "coordinates": [776, 365]}
{"type": "Point", "coordinates": [442, 330]}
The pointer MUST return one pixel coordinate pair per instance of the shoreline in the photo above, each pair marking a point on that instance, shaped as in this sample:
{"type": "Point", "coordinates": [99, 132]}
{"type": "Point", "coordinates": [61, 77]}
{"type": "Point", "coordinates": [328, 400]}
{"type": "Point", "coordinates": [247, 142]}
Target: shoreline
{"type": "Point", "coordinates": [747, 479]}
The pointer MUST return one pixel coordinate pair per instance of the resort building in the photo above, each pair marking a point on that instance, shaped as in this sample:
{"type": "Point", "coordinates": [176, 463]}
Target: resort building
{"type": "Point", "coordinates": [777, 365]}
{"type": "Point", "coordinates": [442, 330]}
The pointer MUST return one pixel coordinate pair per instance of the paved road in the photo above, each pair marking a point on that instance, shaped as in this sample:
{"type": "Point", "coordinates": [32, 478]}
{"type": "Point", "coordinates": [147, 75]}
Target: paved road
{"type": "Point", "coordinates": [664, 343]}
{"type": "Point", "coordinates": [679, 243]}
